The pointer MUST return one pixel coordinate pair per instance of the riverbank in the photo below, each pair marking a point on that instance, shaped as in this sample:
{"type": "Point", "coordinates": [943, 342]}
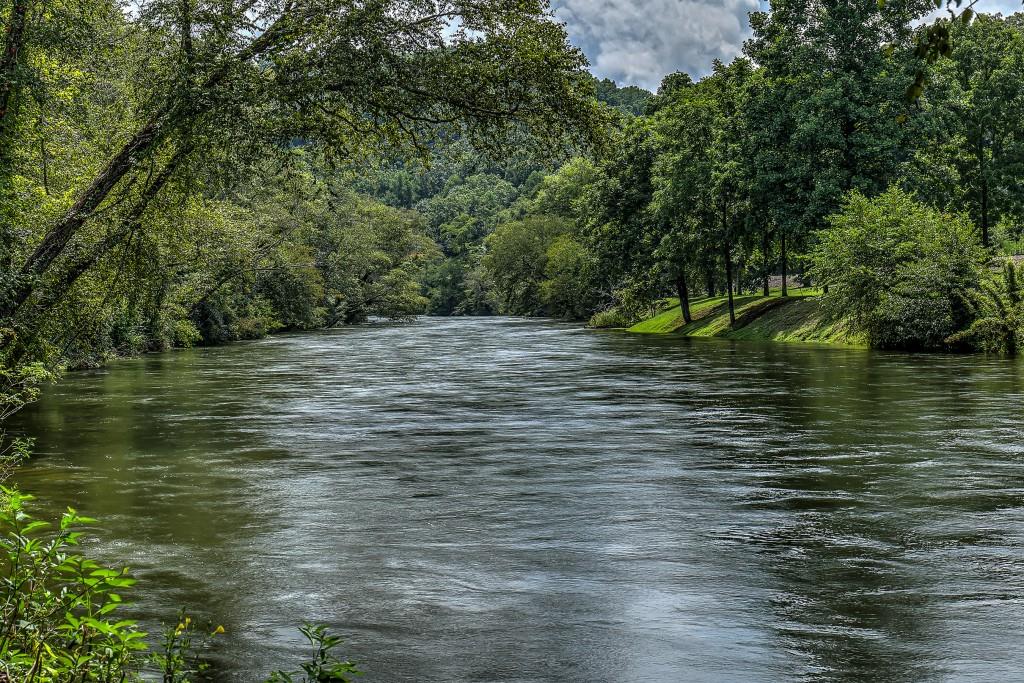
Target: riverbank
{"type": "Point", "coordinates": [794, 318]}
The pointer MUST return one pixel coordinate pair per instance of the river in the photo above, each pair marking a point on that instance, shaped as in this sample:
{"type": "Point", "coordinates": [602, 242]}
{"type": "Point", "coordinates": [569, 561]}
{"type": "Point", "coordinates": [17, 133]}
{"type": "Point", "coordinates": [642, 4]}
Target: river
{"type": "Point", "coordinates": [514, 500]}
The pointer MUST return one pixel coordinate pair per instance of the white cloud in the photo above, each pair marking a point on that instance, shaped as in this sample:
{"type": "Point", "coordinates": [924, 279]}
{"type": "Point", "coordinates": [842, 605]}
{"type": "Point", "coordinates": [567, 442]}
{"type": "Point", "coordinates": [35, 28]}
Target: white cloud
{"type": "Point", "coordinates": [638, 42]}
{"type": "Point", "coordinates": [1004, 7]}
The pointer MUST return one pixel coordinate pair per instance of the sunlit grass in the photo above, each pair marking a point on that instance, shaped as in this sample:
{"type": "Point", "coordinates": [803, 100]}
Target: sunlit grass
{"type": "Point", "coordinates": [796, 318]}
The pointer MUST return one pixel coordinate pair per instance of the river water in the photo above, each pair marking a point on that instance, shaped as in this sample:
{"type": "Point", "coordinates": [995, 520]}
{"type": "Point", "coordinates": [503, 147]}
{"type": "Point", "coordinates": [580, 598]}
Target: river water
{"type": "Point", "coordinates": [512, 500]}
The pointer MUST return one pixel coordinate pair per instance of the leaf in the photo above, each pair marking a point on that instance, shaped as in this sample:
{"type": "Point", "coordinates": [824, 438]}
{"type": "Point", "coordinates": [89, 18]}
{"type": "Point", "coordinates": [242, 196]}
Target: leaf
{"type": "Point", "coordinates": [33, 526]}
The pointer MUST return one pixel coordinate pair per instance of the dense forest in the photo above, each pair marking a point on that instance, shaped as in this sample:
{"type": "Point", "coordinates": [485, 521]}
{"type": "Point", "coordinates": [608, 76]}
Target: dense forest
{"type": "Point", "coordinates": [156, 195]}
{"type": "Point", "coordinates": [177, 173]}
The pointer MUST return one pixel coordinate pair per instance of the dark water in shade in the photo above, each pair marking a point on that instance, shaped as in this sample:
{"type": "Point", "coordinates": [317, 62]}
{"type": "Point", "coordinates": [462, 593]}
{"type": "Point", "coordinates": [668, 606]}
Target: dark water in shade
{"type": "Point", "coordinates": [508, 500]}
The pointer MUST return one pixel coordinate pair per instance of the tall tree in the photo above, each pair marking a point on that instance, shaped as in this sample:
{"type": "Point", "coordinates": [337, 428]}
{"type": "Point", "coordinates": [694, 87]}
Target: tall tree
{"type": "Point", "coordinates": [619, 227]}
{"type": "Point", "coordinates": [702, 184]}
{"type": "Point", "coordinates": [830, 114]}
{"type": "Point", "coordinates": [972, 152]}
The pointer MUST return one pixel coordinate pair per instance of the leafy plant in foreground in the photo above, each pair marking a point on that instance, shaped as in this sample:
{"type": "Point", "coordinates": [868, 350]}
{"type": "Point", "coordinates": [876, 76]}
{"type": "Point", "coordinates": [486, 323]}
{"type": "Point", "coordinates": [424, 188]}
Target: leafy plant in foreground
{"type": "Point", "coordinates": [56, 606]}
{"type": "Point", "coordinates": [58, 623]}
{"type": "Point", "coordinates": [323, 667]}
{"type": "Point", "coordinates": [180, 657]}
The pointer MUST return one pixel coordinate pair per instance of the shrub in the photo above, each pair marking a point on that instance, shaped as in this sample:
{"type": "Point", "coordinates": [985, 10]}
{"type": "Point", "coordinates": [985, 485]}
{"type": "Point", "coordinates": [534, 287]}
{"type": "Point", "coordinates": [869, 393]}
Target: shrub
{"type": "Point", "coordinates": [901, 272]}
{"type": "Point", "coordinates": [57, 608]}
{"type": "Point", "coordinates": [612, 317]}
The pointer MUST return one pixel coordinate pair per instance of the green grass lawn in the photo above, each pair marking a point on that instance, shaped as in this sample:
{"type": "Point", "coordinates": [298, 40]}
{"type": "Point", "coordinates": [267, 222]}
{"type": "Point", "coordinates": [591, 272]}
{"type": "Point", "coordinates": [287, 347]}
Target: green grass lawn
{"type": "Point", "coordinates": [796, 318]}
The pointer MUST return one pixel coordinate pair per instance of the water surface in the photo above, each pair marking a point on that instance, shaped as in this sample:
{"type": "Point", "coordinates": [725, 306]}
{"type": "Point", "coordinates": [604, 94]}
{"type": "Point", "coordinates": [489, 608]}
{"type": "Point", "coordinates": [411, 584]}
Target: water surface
{"type": "Point", "coordinates": [510, 500]}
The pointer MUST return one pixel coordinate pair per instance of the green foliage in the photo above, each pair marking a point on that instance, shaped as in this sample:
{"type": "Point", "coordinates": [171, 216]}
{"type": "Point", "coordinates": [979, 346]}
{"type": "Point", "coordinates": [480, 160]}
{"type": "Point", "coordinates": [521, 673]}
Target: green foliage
{"type": "Point", "coordinates": [610, 318]}
{"type": "Point", "coordinates": [517, 259]}
{"type": "Point", "coordinates": [900, 271]}
{"type": "Point", "coordinates": [617, 225]}
{"type": "Point", "coordinates": [998, 325]}
{"type": "Point", "coordinates": [702, 186]}
{"type": "Point", "coordinates": [57, 612]}
{"type": "Point", "coordinates": [323, 666]}
{"type": "Point", "coordinates": [565, 192]}
{"type": "Point", "coordinates": [369, 257]}
{"type": "Point", "coordinates": [569, 289]}
{"type": "Point", "coordinates": [1010, 281]}
{"type": "Point", "coordinates": [826, 113]}
{"type": "Point", "coordinates": [973, 140]}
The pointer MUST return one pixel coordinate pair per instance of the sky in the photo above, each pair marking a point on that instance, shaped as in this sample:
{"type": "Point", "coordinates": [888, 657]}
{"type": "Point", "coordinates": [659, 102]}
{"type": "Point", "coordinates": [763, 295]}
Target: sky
{"type": "Point", "coordinates": [638, 42]}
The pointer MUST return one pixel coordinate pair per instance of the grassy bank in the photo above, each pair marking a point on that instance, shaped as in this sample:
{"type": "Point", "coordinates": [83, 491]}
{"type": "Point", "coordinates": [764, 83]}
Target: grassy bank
{"type": "Point", "coordinates": [796, 318]}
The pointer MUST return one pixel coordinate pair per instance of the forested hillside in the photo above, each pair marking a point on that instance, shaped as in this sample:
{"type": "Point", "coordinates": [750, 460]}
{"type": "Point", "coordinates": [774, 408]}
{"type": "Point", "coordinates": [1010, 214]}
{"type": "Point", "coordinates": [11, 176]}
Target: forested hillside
{"type": "Point", "coordinates": [463, 194]}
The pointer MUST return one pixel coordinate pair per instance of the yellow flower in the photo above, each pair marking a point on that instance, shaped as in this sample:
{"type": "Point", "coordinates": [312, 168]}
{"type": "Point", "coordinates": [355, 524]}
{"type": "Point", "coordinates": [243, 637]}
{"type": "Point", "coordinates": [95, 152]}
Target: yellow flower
{"type": "Point", "coordinates": [219, 629]}
{"type": "Point", "coordinates": [188, 620]}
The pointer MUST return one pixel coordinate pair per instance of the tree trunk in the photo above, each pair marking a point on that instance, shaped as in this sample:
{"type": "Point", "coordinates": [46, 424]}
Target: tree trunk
{"type": "Point", "coordinates": [984, 211]}
{"type": "Point", "coordinates": [186, 34]}
{"type": "Point", "coordinates": [14, 41]}
{"type": "Point", "coordinates": [74, 268]}
{"type": "Point", "coordinates": [57, 239]}
{"type": "Point", "coordinates": [684, 297]}
{"type": "Point", "coordinates": [983, 199]}
{"type": "Point", "coordinates": [765, 246]}
{"type": "Point", "coordinates": [76, 265]}
{"type": "Point", "coordinates": [727, 255]}
{"type": "Point", "coordinates": [782, 259]}
{"type": "Point", "coordinates": [13, 44]}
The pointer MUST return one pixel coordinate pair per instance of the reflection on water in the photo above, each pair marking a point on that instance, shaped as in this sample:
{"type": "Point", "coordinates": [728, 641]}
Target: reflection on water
{"type": "Point", "coordinates": [509, 500]}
